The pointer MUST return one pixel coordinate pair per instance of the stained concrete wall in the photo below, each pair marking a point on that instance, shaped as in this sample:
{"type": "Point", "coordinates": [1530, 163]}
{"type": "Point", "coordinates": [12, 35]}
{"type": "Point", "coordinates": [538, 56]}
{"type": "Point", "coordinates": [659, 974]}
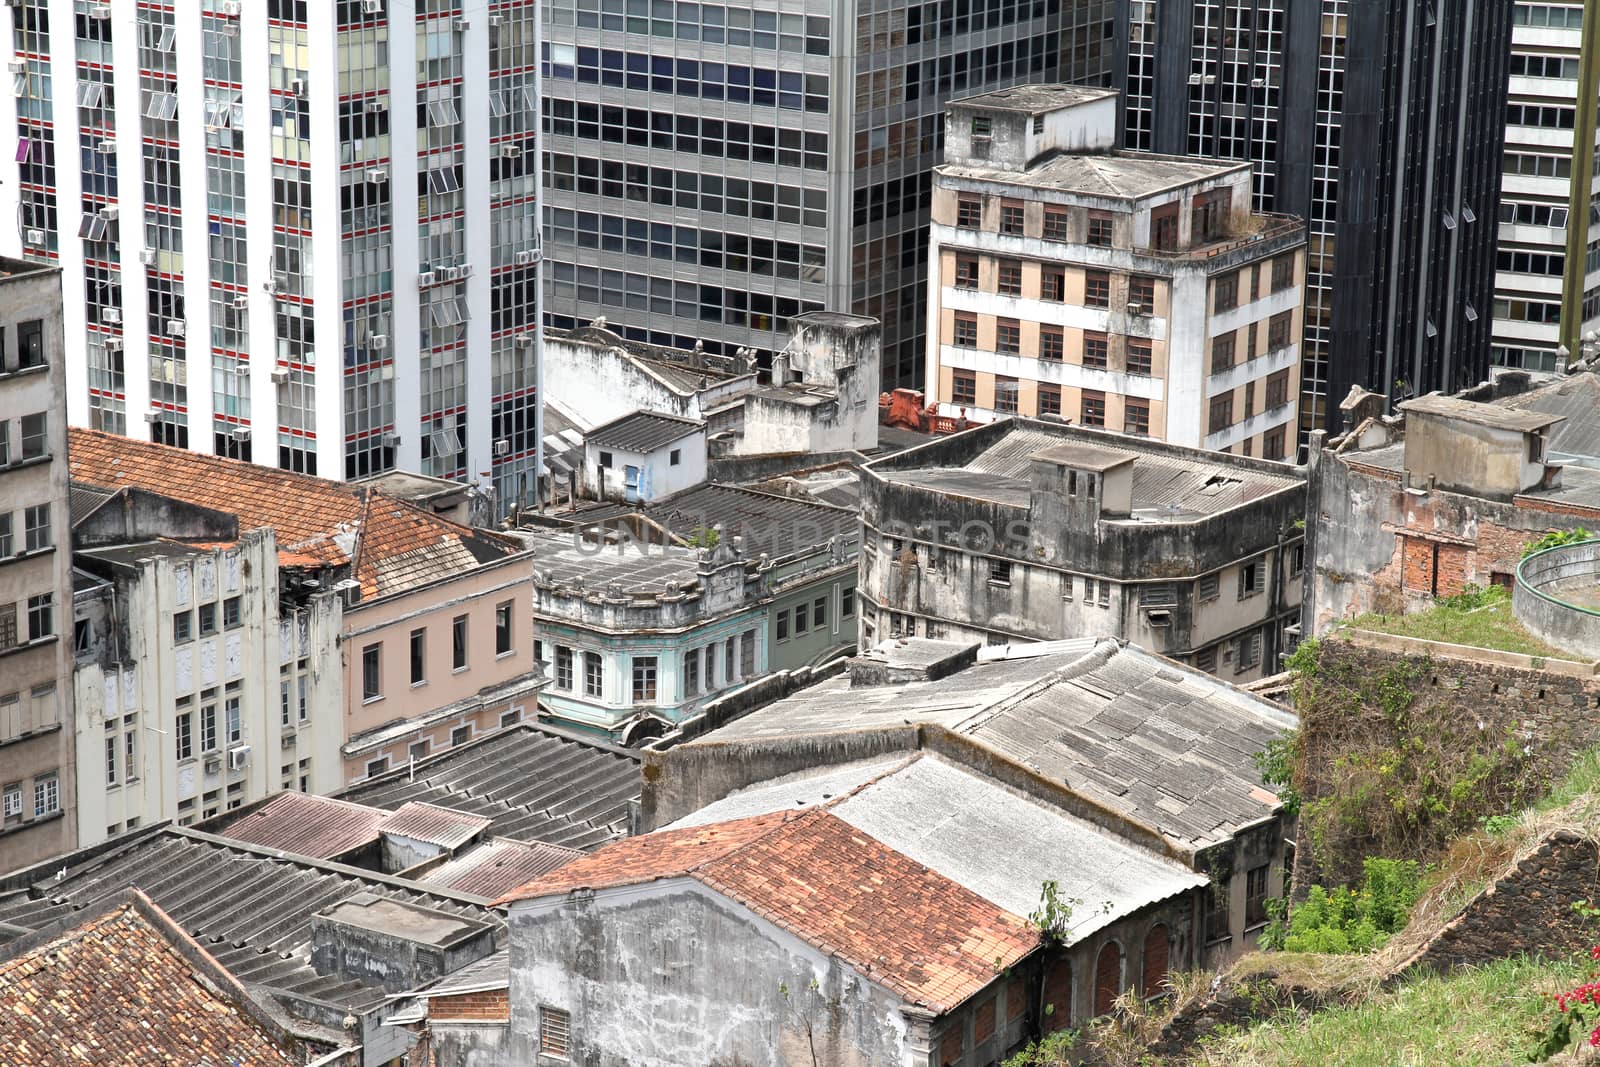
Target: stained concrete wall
{"type": "Point", "coordinates": [1543, 598]}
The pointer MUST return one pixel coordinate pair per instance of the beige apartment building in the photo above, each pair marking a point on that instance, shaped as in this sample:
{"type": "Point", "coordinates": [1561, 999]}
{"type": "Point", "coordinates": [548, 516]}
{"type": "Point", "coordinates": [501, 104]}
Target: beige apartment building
{"type": "Point", "coordinates": [36, 738]}
{"type": "Point", "coordinates": [1124, 290]}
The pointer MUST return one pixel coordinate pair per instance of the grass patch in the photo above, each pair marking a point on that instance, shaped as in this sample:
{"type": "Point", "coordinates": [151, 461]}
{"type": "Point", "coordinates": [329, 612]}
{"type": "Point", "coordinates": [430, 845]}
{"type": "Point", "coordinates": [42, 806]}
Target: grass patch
{"type": "Point", "coordinates": [1480, 619]}
{"type": "Point", "coordinates": [1488, 1015]}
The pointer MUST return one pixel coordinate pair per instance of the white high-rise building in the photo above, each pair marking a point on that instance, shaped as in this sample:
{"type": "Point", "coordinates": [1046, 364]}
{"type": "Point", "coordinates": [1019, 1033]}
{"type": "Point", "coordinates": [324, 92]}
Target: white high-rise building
{"type": "Point", "coordinates": [300, 232]}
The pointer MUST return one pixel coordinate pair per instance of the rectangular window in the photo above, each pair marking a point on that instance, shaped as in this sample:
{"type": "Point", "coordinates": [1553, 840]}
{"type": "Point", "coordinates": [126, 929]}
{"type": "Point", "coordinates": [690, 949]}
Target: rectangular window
{"type": "Point", "coordinates": [207, 614]}
{"type": "Point", "coordinates": [1208, 587]}
{"type": "Point", "coordinates": [969, 212]}
{"type": "Point", "coordinates": [231, 714]}
{"type": "Point", "coordinates": [208, 721]}
{"type": "Point", "coordinates": [1142, 295]}
{"type": "Point", "coordinates": [30, 344]}
{"type": "Point", "coordinates": [46, 795]}
{"type": "Point", "coordinates": [184, 734]}
{"type": "Point", "coordinates": [372, 672]}
{"type": "Point", "coordinates": [966, 272]}
{"type": "Point", "coordinates": [1100, 228]}
{"type": "Point", "coordinates": [510, 718]}
{"type": "Point", "coordinates": [182, 626]}
{"type": "Point", "coordinates": [783, 625]}
{"type": "Point", "coordinates": [1272, 444]}
{"type": "Point", "coordinates": [1219, 923]}
{"type": "Point", "coordinates": [1050, 400]}
{"type": "Point", "coordinates": [8, 543]}
{"type": "Point", "coordinates": [460, 735]}
{"type": "Point", "coordinates": [36, 527]}
{"type": "Point", "coordinates": [418, 750]}
{"type": "Point", "coordinates": [1096, 289]}
{"type": "Point", "coordinates": [999, 572]}
{"type": "Point", "coordinates": [555, 1033]}
{"type": "Point", "coordinates": [419, 656]}
{"type": "Point", "coordinates": [966, 334]}
{"type": "Point", "coordinates": [1140, 360]}
{"type": "Point", "coordinates": [847, 603]}
{"type": "Point", "coordinates": [1096, 349]}
{"type": "Point", "coordinates": [1052, 344]}
{"type": "Point", "coordinates": [963, 387]}
{"type": "Point", "coordinates": [1094, 408]}
{"type": "Point", "coordinates": [502, 628]}
{"type": "Point", "coordinates": [41, 616]}
{"type": "Point", "coordinates": [1052, 284]}
{"type": "Point", "coordinates": [800, 622]}
{"type": "Point", "coordinates": [1008, 337]}
{"type": "Point", "coordinates": [8, 626]}
{"type": "Point", "coordinates": [13, 802]}
{"type": "Point", "coordinates": [1136, 417]}
{"type": "Point", "coordinates": [1055, 224]}
{"type": "Point", "coordinates": [1278, 330]}
{"type": "Point", "coordinates": [1221, 416]}
{"type": "Point", "coordinates": [819, 612]}
{"type": "Point", "coordinates": [1282, 273]}
{"type": "Point", "coordinates": [644, 679]}
{"type": "Point", "coordinates": [1222, 353]}
{"type": "Point", "coordinates": [593, 674]}
{"type": "Point", "coordinates": [1011, 217]}
{"type": "Point", "coordinates": [35, 436]}
{"type": "Point", "coordinates": [1227, 290]}
{"type": "Point", "coordinates": [458, 643]}
{"type": "Point", "coordinates": [1005, 395]}
{"type": "Point", "coordinates": [377, 766]}
{"type": "Point", "coordinates": [1255, 895]}
{"type": "Point", "coordinates": [1009, 278]}
{"type": "Point", "coordinates": [111, 759]}
{"type": "Point", "coordinates": [691, 673]}
{"type": "Point", "coordinates": [1252, 579]}
{"type": "Point", "coordinates": [1277, 389]}
{"type": "Point", "coordinates": [747, 653]}
{"type": "Point", "coordinates": [563, 667]}
{"type": "Point", "coordinates": [231, 610]}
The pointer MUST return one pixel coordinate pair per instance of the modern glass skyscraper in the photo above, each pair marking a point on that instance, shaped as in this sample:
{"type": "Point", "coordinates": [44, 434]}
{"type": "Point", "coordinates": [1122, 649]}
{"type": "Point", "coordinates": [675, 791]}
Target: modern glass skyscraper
{"type": "Point", "coordinates": [714, 169]}
{"type": "Point", "coordinates": [1380, 124]}
{"type": "Point", "coordinates": [299, 232]}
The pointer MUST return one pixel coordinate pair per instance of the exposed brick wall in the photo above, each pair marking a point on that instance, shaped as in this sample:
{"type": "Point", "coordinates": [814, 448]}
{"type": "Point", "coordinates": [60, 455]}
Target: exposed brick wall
{"type": "Point", "coordinates": [492, 1006]}
{"type": "Point", "coordinates": [1527, 910]}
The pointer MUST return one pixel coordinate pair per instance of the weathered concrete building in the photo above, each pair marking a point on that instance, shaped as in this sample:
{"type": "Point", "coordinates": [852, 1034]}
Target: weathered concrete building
{"type": "Point", "coordinates": [1151, 752]}
{"type": "Point", "coordinates": [870, 914]}
{"type": "Point", "coordinates": [1034, 531]}
{"type": "Point", "coordinates": [1128, 290]}
{"type": "Point", "coordinates": [1447, 494]}
{"type": "Point", "coordinates": [433, 635]}
{"type": "Point", "coordinates": [643, 456]}
{"type": "Point", "coordinates": [37, 761]}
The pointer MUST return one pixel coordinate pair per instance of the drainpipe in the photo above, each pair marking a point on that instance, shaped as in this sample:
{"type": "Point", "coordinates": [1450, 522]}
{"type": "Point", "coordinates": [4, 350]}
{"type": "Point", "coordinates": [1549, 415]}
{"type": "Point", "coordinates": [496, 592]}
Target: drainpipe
{"type": "Point", "coordinates": [1269, 654]}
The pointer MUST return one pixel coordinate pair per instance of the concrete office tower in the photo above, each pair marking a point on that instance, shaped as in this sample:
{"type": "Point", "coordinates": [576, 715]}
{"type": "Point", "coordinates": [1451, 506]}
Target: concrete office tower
{"type": "Point", "coordinates": [38, 817]}
{"type": "Point", "coordinates": [1117, 289]}
{"type": "Point", "coordinates": [298, 232]}
{"type": "Point", "coordinates": [717, 169]}
{"type": "Point", "coordinates": [1380, 124]}
{"type": "Point", "coordinates": [1548, 285]}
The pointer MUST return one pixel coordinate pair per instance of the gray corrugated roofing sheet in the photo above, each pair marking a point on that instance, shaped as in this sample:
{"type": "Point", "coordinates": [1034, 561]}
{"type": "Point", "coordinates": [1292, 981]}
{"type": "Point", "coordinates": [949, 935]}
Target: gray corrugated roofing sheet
{"type": "Point", "coordinates": [768, 522]}
{"type": "Point", "coordinates": [494, 868]}
{"type": "Point", "coordinates": [250, 910]}
{"type": "Point", "coordinates": [319, 827]}
{"type": "Point", "coordinates": [1575, 399]}
{"type": "Point", "coordinates": [433, 825]}
{"type": "Point", "coordinates": [535, 783]}
{"type": "Point", "coordinates": [644, 431]}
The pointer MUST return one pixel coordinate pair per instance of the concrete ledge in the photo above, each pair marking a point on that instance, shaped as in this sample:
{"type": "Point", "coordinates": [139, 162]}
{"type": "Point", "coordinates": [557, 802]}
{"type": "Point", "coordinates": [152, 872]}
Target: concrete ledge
{"type": "Point", "coordinates": [1417, 646]}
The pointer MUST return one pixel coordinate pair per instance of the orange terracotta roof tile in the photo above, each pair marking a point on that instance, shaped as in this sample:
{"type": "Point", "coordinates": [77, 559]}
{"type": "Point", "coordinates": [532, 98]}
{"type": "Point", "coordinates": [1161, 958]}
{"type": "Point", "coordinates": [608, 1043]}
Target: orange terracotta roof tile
{"type": "Point", "coordinates": [119, 989]}
{"type": "Point", "coordinates": [648, 858]}
{"type": "Point", "coordinates": [912, 930]}
{"type": "Point", "coordinates": [399, 545]}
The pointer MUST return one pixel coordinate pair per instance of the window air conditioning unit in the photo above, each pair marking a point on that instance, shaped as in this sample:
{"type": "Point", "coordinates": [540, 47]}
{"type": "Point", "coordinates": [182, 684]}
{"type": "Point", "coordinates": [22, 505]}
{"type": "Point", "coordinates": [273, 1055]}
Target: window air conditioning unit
{"type": "Point", "coordinates": [377, 175]}
{"type": "Point", "coordinates": [271, 285]}
{"type": "Point", "coordinates": [524, 340]}
{"type": "Point", "coordinates": [34, 237]}
{"type": "Point", "coordinates": [502, 447]}
{"type": "Point", "coordinates": [106, 148]}
{"type": "Point", "coordinates": [375, 105]}
{"type": "Point", "coordinates": [378, 341]}
{"type": "Point", "coordinates": [464, 271]}
{"type": "Point", "coordinates": [240, 433]}
{"type": "Point", "coordinates": [213, 764]}
{"type": "Point", "coordinates": [113, 344]}
{"type": "Point", "coordinates": [495, 21]}
{"type": "Point", "coordinates": [297, 87]}
{"type": "Point", "coordinates": [147, 256]}
{"type": "Point", "coordinates": [448, 274]}
{"type": "Point", "coordinates": [463, 25]}
{"type": "Point", "coordinates": [176, 328]}
{"type": "Point", "coordinates": [111, 316]}
{"type": "Point", "coordinates": [100, 11]}
{"type": "Point", "coordinates": [287, 741]}
{"type": "Point", "coordinates": [526, 259]}
{"type": "Point", "coordinates": [280, 375]}
{"type": "Point", "coordinates": [391, 439]}
{"type": "Point", "coordinates": [240, 300]}
{"type": "Point", "coordinates": [232, 8]}
{"type": "Point", "coordinates": [511, 151]}
{"type": "Point", "coordinates": [153, 415]}
{"type": "Point", "coordinates": [109, 213]}
{"type": "Point", "coordinates": [238, 757]}
{"type": "Point", "coordinates": [372, 7]}
{"type": "Point", "coordinates": [425, 279]}
{"type": "Point", "coordinates": [17, 66]}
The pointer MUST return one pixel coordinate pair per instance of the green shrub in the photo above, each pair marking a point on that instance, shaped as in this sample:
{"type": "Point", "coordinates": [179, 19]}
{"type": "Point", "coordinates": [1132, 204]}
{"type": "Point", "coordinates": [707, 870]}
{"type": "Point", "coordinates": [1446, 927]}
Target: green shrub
{"type": "Point", "coordinates": [1343, 920]}
{"type": "Point", "coordinates": [1555, 539]}
{"type": "Point", "coordinates": [1048, 1051]}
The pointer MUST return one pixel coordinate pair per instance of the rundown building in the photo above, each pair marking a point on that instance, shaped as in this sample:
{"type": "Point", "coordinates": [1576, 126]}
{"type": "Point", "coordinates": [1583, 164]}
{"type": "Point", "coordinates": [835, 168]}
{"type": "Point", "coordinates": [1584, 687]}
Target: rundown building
{"type": "Point", "coordinates": [433, 635]}
{"type": "Point", "coordinates": [643, 456]}
{"type": "Point", "coordinates": [1151, 752]}
{"type": "Point", "coordinates": [1026, 530]}
{"type": "Point", "coordinates": [1448, 493]}
{"type": "Point", "coordinates": [37, 761]}
{"type": "Point", "coordinates": [871, 914]}
{"type": "Point", "coordinates": [1120, 289]}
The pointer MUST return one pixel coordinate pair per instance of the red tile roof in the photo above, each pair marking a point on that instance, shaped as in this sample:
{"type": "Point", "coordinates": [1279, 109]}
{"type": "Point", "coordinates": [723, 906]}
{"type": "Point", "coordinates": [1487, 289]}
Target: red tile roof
{"type": "Point", "coordinates": [128, 987]}
{"type": "Point", "coordinates": [928, 939]}
{"type": "Point", "coordinates": [321, 827]}
{"type": "Point", "coordinates": [400, 545]}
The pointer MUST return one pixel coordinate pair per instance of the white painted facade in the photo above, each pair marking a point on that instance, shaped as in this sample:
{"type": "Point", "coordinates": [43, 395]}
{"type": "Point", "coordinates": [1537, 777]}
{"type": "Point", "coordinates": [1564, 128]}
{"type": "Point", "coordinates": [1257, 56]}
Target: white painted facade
{"type": "Point", "coordinates": [640, 477]}
{"type": "Point", "coordinates": [146, 701]}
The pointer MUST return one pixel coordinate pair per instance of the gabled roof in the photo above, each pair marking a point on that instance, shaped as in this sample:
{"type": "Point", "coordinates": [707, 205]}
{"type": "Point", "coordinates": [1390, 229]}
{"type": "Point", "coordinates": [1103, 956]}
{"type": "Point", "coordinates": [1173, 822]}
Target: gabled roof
{"type": "Point", "coordinates": [896, 922]}
{"type": "Point", "coordinates": [533, 782]}
{"type": "Point", "coordinates": [644, 431]}
{"type": "Point", "coordinates": [127, 986]}
{"type": "Point", "coordinates": [389, 544]}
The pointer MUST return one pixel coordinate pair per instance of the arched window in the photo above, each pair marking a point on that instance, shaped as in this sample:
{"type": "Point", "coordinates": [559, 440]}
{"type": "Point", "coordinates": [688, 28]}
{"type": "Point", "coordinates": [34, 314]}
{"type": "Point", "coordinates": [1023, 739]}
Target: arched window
{"type": "Point", "coordinates": [1157, 953]}
{"type": "Point", "coordinates": [1107, 977]}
